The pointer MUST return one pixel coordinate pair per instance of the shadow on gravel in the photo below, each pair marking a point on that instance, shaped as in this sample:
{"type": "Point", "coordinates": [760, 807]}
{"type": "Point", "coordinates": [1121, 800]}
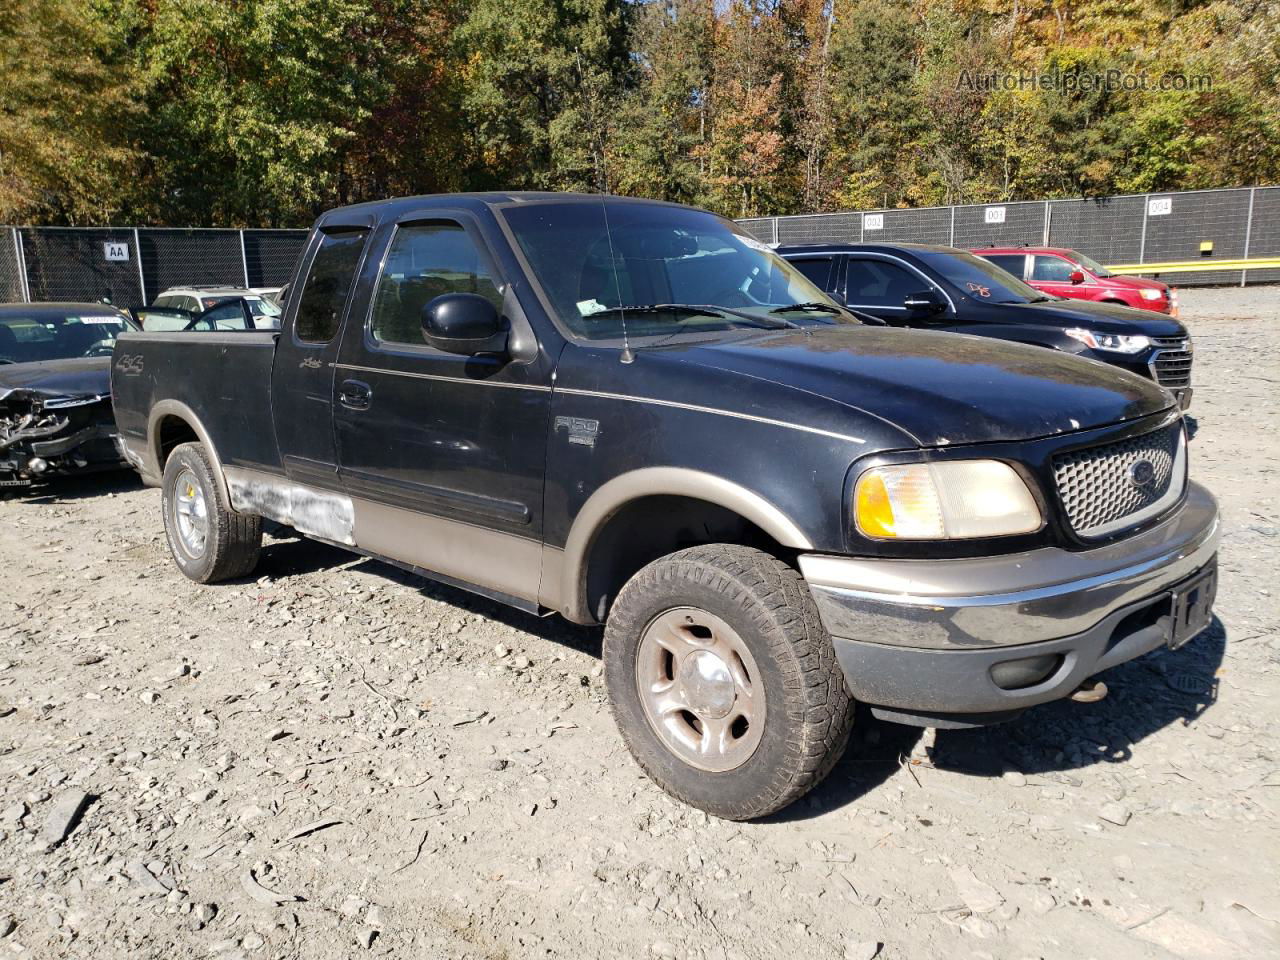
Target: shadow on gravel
{"type": "Point", "coordinates": [82, 487]}
{"type": "Point", "coordinates": [1163, 688]}
{"type": "Point", "coordinates": [874, 755]}
{"type": "Point", "coordinates": [292, 555]}
{"type": "Point", "coordinates": [1157, 690]}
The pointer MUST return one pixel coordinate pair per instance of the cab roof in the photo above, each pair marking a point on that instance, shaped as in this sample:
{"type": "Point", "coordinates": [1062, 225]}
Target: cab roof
{"type": "Point", "coordinates": [360, 214]}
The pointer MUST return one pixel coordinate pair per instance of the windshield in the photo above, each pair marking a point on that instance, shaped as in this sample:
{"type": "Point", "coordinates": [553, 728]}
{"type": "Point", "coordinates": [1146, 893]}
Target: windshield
{"type": "Point", "coordinates": [1090, 264]}
{"type": "Point", "coordinates": [28, 337]}
{"type": "Point", "coordinates": [647, 264]}
{"type": "Point", "coordinates": [980, 279]}
{"type": "Point", "coordinates": [262, 307]}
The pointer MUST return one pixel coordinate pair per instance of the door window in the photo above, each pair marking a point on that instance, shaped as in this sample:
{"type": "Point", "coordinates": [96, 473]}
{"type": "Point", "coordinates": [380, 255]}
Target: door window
{"type": "Point", "coordinates": [425, 261]}
{"type": "Point", "coordinates": [1052, 270]}
{"type": "Point", "coordinates": [877, 283]}
{"type": "Point", "coordinates": [226, 316]}
{"type": "Point", "coordinates": [1013, 263]}
{"type": "Point", "coordinates": [324, 294]}
{"type": "Point", "coordinates": [817, 269]}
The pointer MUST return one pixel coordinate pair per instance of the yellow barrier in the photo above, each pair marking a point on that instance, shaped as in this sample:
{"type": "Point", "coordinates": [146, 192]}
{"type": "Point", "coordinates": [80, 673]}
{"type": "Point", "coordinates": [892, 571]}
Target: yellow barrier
{"type": "Point", "coordinates": [1196, 266]}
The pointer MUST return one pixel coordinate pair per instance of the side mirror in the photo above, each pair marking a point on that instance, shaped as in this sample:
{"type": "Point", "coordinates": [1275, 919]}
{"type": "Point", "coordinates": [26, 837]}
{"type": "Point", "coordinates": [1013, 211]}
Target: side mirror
{"type": "Point", "coordinates": [1077, 276]}
{"type": "Point", "coordinates": [926, 301]}
{"type": "Point", "coordinates": [463, 323]}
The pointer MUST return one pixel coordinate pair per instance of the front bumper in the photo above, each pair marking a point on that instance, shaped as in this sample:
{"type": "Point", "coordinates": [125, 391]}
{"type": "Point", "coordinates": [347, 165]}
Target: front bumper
{"type": "Point", "coordinates": [921, 636]}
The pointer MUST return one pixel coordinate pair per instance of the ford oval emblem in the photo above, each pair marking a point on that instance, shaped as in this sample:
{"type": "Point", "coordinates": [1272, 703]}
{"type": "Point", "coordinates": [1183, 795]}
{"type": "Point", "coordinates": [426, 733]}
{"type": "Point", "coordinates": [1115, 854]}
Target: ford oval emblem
{"type": "Point", "coordinates": [1142, 472]}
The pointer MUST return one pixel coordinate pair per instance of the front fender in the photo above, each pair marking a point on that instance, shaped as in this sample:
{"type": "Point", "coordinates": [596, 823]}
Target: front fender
{"type": "Point", "coordinates": [564, 581]}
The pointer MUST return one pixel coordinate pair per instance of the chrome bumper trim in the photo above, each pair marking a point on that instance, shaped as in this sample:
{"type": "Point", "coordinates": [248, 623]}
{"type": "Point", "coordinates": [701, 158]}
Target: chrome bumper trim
{"type": "Point", "coordinates": [1045, 594]}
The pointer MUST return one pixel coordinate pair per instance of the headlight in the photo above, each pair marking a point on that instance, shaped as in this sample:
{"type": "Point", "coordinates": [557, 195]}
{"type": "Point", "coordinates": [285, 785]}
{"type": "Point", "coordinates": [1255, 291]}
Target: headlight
{"type": "Point", "coordinates": [1114, 342]}
{"type": "Point", "coordinates": [1147, 293]}
{"type": "Point", "coordinates": [943, 501]}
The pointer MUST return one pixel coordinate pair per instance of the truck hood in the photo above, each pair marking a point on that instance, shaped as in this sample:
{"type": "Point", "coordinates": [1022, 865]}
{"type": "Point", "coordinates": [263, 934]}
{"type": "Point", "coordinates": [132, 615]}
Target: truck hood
{"type": "Point", "coordinates": [75, 377]}
{"type": "Point", "coordinates": [939, 388]}
{"type": "Point", "coordinates": [1103, 317]}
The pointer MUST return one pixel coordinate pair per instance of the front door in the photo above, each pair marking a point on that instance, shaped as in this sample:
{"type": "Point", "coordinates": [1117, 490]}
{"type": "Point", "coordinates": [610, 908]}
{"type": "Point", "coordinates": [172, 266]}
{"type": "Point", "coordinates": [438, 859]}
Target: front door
{"type": "Point", "coordinates": [302, 381]}
{"type": "Point", "coordinates": [443, 455]}
{"type": "Point", "coordinates": [1053, 275]}
{"type": "Point", "coordinates": [881, 287]}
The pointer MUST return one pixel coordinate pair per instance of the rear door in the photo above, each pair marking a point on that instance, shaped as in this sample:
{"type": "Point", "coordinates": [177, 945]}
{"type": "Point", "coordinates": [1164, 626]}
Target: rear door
{"type": "Point", "coordinates": [302, 379]}
{"type": "Point", "coordinates": [819, 270]}
{"type": "Point", "coordinates": [442, 454]}
{"type": "Point", "coordinates": [1014, 263]}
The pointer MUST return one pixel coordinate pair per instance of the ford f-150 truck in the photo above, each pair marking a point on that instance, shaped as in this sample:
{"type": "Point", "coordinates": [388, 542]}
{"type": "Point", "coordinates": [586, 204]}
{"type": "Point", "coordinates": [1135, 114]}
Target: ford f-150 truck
{"type": "Point", "coordinates": [631, 413]}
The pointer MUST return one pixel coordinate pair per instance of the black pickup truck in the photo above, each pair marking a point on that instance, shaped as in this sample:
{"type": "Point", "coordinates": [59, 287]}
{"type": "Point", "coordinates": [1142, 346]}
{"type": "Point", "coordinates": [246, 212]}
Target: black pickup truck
{"type": "Point", "coordinates": [631, 413]}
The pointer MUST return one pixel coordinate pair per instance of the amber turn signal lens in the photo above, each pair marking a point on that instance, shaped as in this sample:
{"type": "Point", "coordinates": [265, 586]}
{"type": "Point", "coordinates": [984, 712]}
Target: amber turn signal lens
{"type": "Point", "coordinates": [875, 513]}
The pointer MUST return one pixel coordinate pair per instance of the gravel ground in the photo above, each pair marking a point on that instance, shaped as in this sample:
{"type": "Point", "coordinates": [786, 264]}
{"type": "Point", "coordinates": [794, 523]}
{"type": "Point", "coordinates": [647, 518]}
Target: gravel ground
{"type": "Point", "coordinates": [336, 760]}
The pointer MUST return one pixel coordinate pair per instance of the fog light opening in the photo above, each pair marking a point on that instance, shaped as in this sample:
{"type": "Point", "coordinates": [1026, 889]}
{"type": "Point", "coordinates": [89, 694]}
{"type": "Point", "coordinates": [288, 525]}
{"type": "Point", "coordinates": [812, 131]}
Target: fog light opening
{"type": "Point", "coordinates": [1026, 672]}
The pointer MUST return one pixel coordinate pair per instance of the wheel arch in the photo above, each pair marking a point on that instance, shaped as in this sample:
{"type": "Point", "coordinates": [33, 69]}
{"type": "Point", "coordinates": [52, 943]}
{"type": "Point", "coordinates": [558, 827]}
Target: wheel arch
{"type": "Point", "coordinates": [172, 422]}
{"type": "Point", "coordinates": [665, 486]}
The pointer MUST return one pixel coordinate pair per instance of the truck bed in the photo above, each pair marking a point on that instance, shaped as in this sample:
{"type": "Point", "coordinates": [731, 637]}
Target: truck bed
{"type": "Point", "coordinates": [223, 378]}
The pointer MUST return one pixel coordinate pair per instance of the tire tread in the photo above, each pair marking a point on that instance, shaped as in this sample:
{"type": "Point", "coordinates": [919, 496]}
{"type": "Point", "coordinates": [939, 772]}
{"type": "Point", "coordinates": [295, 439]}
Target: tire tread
{"type": "Point", "coordinates": [765, 589]}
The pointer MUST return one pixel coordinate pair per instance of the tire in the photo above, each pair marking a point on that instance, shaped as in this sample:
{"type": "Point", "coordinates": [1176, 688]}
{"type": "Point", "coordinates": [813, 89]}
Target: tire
{"type": "Point", "coordinates": [786, 656]}
{"type": "Point", "coordinates": [231, 541]}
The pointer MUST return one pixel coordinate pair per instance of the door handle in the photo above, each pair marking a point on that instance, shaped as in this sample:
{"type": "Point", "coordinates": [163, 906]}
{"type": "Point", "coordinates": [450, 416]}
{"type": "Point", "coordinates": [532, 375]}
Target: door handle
{"type": "Point", "coordinates": [355, 395]}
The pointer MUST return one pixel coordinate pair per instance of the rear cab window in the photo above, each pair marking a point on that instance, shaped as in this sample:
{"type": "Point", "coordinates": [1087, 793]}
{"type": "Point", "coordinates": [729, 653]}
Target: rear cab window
{"type": "Point", "coordinates": [324, 293]}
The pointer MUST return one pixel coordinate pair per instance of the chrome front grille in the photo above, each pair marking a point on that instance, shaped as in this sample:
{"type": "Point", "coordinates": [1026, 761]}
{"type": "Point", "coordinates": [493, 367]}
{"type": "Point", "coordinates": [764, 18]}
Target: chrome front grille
{"type": "Point", "coordinates": [1116, 485]}
{"type": "Point", "coordinates": [1171, 363]}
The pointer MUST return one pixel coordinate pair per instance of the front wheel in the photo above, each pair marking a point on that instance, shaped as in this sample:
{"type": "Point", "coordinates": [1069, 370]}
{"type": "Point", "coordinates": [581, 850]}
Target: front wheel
{"type": "Point", "coordinates": [209, 541]}
{"type": "Point", "coordinates": [724, 682]}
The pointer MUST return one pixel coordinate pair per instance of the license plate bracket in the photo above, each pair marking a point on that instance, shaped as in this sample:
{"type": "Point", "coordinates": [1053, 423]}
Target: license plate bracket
{"type": "Point", "coordinates": [1192, 608]}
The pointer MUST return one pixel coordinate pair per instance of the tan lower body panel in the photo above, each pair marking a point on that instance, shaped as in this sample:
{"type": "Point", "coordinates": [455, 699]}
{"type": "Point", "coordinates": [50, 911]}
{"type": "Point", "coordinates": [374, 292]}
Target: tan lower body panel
{"type": "Point", "coordinates": [488, 558]}
{"type": "Point", "coordinates": [491, 559]}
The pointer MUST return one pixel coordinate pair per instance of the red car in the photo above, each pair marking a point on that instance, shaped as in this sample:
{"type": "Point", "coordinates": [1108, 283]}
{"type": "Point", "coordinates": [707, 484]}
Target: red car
{"type": "Point", "coordinates": [1067, 273]}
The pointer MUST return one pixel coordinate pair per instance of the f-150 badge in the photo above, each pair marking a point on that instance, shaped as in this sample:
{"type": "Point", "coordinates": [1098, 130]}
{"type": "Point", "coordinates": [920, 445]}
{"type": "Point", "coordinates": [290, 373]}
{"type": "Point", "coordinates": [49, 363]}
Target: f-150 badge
{"type": "Point", "coordinates": [580, 430]}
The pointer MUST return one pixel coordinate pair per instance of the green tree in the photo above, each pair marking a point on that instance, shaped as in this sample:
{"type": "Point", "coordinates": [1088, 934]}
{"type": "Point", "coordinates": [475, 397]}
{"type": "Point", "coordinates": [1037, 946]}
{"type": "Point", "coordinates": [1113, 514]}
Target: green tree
{"type": "Point", "coordinates": [68, 109]}
{"type": "Point", "coordinates": [542, 79]}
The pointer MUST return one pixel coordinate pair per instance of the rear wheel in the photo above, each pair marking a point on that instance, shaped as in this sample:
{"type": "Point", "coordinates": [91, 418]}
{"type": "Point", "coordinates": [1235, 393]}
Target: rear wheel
{"type": "Point", "coordinates": [209, 541]}
{"type": "Point", "coordinates": [724, 682]}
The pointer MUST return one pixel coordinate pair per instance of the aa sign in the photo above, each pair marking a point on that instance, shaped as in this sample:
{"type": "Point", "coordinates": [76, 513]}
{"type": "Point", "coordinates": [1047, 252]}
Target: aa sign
{"type": "Point", "coordinates": [115, 251]}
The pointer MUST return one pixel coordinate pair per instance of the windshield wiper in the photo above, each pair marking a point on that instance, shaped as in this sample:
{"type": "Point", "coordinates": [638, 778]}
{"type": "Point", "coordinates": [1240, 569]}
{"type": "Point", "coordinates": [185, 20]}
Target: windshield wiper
{"type": "Point", "coordinates": [811, 306]}
{"type": "Point", "coordinates": [697, 310]}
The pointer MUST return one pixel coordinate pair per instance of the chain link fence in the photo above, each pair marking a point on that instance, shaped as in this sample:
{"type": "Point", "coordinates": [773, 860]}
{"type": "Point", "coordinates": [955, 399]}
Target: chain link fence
{"type": "Point", "coordinates": [1157, 228]}
{"type": "Point", "coordinates": [131, 266]}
